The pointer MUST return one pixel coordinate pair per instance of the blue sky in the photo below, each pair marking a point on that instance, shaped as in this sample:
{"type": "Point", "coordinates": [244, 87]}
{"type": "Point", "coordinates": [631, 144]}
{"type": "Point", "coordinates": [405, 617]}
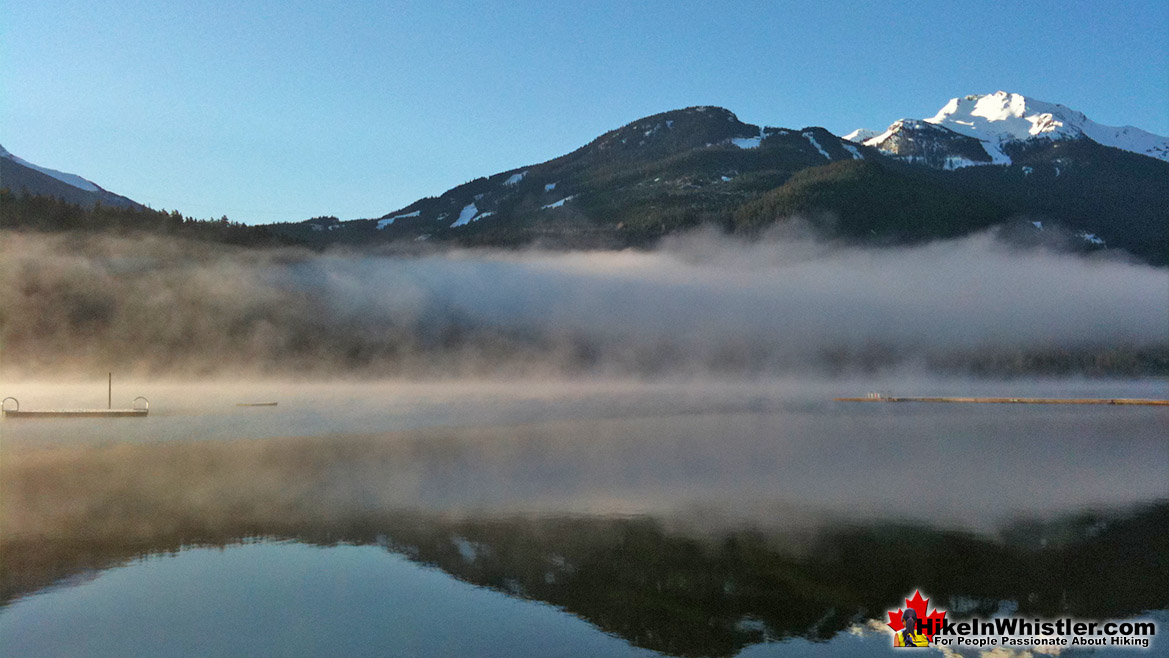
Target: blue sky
{"type": "Point", "coordinates": [282, 110]}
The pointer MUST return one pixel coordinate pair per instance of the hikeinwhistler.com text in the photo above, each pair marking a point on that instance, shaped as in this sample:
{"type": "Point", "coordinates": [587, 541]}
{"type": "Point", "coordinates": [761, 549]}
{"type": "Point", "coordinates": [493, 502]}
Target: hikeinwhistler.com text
{"type": "Point", "coordinates": [1016, 632]}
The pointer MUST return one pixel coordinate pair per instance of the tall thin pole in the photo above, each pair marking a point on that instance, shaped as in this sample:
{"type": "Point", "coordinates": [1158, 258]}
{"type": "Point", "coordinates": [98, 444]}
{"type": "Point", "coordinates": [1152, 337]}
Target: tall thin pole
{"type": "Point", "coordinates": [110, 395]}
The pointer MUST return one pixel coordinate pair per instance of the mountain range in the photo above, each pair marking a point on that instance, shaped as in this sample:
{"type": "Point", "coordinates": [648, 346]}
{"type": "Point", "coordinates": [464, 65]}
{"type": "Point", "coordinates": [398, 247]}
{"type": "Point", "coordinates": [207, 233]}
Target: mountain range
{"type": "Point", "coordinates": [1037, 170]}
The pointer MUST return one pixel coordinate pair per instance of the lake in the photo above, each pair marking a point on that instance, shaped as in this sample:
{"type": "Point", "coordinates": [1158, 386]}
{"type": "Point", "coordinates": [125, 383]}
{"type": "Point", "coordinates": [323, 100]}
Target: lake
{"type": "Point", "coordinates": [550, 517]}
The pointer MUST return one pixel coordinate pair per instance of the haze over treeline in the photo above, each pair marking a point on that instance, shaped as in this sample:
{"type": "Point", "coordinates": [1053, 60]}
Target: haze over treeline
{"type": "Point", "coordinates": [701, 303]}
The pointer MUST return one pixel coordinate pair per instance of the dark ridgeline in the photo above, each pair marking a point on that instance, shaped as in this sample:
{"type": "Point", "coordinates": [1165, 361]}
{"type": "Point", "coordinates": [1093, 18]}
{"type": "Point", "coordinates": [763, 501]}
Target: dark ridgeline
{"type": "Point", "coordinates": [26, 181]}
{"type": "Point", "coordinates": [47, 213]}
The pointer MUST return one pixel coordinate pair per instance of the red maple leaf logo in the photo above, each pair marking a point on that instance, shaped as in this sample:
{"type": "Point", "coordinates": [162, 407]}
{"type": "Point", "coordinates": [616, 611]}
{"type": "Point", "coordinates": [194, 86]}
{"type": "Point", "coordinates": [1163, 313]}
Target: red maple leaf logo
{"type": "Point", "coordinates": [929, 623]}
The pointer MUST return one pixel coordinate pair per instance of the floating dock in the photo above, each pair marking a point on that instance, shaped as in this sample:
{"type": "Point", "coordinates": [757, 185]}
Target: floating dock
{"type": "Point", "coordinates": [74, 413]}
{"type": "Point", "coordinates": [139, 409]}
{"type": "Point", "coordinates": [1115, 401]}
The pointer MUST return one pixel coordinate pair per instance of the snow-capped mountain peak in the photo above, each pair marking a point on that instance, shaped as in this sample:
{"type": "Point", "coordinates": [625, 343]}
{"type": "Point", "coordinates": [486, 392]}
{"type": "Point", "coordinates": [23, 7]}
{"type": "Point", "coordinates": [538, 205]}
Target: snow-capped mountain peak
{"type": "Point", "coordinates": [860, 135]}
{"type": "Point", "coordinates": [1003, 117]}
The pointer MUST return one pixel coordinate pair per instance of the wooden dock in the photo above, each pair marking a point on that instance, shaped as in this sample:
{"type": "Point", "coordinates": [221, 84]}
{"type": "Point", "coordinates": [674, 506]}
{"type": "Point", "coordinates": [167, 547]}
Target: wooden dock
{"type": "Point", "coordinates": [975, 400]}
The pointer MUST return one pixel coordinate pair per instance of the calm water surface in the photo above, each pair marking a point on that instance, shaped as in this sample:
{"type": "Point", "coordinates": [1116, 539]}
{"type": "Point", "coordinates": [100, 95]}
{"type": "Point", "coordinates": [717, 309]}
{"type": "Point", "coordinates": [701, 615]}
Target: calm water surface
{"type": "Point", "coordinates": [555, 518]}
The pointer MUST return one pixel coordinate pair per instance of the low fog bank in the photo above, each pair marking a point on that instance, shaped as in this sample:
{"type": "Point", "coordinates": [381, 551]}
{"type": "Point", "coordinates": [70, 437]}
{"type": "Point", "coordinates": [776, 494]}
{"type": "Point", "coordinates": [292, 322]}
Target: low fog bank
{"type": "Point", "coordinates": [700, 304]}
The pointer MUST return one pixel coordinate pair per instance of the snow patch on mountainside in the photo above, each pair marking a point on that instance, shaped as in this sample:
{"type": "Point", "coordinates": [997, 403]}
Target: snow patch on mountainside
{"type": "Point", "coordinates": [558, 203]}
{"type": "Point", "coordinates": [68, 179]}
{"type": "Point", "coordinates": [995, 150]}
{"type": "Point", "coordinates": [466, 216]}
{"type": "Point", "coordinates": [958, 162]}
{"type": "Point", "coordinates": [1128, 138]}
{"type": "Point", "coordinates": [382, 223]}
{"type": "Point", "coordinates": [748, 142]}
{"type": "Point", "coordinates": [812, 138]}
{"type": "Point", "coordinates": [515, 178]}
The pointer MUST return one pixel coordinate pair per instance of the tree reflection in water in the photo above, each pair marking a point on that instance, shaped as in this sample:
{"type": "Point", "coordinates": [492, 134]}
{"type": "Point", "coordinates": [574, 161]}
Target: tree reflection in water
{"type": "Point", "coordinates": [667, 582]}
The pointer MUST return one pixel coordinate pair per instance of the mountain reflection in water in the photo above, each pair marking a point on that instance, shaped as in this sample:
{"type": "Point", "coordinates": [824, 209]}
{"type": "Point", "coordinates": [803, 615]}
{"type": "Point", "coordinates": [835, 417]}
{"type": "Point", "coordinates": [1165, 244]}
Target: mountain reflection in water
{"type": "Point", "coordinates": [689, 535]}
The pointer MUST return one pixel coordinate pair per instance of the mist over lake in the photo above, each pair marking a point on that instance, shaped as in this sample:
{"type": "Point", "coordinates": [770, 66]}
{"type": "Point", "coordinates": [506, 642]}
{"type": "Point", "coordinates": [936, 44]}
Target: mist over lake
{"type": "Point", "coordinates": [701, 304]}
